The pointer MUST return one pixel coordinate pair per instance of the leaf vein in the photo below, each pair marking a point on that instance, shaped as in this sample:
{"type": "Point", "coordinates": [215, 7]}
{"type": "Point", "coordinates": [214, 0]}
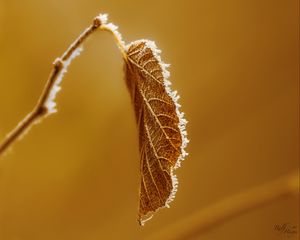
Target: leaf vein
{"type": "Point", "coordinates": [148, 166]}
{"type": "Point", "coordinates": [144, 70]}
{"type": "Point", "coordinates": [158, 121]}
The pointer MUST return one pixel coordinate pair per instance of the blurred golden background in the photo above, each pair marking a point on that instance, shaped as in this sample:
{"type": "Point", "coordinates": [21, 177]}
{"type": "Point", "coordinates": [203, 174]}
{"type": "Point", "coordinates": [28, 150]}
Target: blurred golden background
{"type": "Point", "coordinates": [75, 176]}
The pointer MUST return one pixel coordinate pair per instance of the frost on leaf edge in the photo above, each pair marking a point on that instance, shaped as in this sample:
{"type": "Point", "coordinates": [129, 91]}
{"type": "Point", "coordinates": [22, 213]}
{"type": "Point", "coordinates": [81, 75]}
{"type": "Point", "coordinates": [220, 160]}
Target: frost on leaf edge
{"type": "Point", "coordinates": [181, 125]}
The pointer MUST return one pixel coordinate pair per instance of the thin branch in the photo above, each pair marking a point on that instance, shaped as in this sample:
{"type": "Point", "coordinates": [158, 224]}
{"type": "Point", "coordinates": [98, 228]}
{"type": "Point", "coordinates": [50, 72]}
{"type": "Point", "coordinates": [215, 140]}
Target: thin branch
{"type": "Point", "coordinates": [203, 220]}
{"type": "Point", "coordinates": [43, 108]}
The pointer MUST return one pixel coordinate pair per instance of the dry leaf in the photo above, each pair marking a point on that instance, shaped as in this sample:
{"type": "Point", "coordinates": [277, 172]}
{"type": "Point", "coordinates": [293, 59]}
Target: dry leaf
{"type": "Point", "coordinates": [161, 126]}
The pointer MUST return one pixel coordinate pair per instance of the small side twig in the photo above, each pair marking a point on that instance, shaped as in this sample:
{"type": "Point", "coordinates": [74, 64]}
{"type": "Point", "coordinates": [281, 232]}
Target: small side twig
{"type": "Point", "coordinates": [209, 217]}
{"type": "Point", "coordinates": [45, 106]}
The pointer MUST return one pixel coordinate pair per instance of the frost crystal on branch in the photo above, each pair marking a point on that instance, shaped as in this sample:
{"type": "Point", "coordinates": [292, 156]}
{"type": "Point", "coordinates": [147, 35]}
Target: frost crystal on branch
{"type": "Point", "coordinates": [50, 102]}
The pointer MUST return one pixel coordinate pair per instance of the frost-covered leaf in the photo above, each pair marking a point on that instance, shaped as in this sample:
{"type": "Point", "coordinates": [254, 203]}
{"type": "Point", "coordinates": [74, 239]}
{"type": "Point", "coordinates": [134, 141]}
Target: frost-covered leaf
{"type": "Point", "coordinates": [161, 126]}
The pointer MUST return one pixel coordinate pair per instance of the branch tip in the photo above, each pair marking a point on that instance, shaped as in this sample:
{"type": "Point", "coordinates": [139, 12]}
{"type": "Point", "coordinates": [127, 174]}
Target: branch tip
{"type": "Point", "coordinates": [97, 22]}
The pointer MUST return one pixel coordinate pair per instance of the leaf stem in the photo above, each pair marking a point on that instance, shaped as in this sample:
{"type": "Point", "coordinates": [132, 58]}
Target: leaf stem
{"type": "Point", "coordinates": [41, 110]}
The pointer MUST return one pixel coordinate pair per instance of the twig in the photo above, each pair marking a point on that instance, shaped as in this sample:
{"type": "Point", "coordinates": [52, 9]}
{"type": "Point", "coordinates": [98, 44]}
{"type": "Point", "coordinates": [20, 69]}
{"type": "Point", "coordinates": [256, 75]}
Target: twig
{"type": "Point", "coordinates": [203, 220]}
{"type": "Point", "coordinates": [45, 105]}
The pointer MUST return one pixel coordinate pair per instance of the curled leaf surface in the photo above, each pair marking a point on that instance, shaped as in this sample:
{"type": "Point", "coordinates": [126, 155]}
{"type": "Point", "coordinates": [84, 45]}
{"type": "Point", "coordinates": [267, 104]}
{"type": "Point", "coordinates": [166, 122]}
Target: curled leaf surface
{"type": "Point", "coordinates": [161, 126]}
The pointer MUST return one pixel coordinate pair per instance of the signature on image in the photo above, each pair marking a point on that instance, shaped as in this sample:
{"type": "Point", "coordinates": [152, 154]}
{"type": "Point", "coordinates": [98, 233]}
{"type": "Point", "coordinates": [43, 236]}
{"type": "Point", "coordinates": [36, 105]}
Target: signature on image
{"type": "Point", "coordinates": [286, 229]}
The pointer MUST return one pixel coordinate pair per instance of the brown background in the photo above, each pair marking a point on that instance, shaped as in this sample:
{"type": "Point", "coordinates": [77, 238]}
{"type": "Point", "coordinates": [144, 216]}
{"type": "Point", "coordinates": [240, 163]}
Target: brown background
{"type": "Point", "coordinates": [75, 176]}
